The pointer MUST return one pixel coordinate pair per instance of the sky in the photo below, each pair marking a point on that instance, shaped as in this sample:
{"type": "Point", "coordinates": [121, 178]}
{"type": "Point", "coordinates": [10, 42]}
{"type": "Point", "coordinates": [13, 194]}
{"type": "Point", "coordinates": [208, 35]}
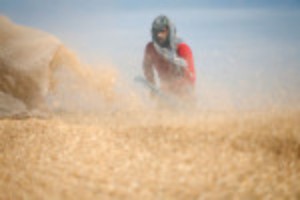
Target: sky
{"type": "Point", "coordinates": [246, 52]}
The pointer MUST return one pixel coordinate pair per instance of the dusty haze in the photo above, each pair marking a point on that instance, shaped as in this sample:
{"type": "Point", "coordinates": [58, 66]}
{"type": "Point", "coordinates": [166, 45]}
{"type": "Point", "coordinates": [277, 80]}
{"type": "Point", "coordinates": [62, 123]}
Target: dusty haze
{"type": "Point", "coordinates": [105, 140]}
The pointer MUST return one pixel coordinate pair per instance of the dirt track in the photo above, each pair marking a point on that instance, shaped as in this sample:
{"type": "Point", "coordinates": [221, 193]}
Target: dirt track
{"type": "Point", "coordinates": [151, 156]}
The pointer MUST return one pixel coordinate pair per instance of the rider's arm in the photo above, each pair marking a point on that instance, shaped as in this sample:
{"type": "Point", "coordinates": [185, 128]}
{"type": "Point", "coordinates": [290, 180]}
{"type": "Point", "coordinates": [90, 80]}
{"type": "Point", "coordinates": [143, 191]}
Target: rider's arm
{"type": "Point", "coordinates": [148, 65]}
{"type": "Point", "coordinates": [185, 52]}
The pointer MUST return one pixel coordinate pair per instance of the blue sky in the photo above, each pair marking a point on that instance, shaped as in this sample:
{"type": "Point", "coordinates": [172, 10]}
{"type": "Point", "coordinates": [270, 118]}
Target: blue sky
{"type": "Point", "coordinates": [248, 51]}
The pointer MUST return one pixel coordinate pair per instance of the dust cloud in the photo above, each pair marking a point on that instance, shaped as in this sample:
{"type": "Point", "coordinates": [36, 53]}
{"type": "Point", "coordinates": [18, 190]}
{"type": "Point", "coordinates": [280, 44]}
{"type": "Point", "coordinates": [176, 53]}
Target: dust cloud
{"type": "Point", "coordinates": [98, 139]}
{"type": "Point", "coordinates": [39, 74]}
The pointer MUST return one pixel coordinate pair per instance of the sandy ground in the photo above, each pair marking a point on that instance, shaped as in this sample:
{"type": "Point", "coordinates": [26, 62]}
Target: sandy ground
{"type": "Point", "coordinates": [151, 155]}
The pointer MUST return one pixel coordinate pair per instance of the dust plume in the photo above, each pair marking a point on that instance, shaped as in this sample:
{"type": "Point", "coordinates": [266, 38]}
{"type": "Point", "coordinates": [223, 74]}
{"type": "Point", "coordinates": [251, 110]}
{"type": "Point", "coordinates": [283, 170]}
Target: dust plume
{"type": "Point", "coordinates": [36, 67]}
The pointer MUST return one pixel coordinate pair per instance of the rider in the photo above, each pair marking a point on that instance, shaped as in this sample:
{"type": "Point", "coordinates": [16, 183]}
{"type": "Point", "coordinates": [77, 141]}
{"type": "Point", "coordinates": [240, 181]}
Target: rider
{"type": "Point", "coordinates": [171, 58]}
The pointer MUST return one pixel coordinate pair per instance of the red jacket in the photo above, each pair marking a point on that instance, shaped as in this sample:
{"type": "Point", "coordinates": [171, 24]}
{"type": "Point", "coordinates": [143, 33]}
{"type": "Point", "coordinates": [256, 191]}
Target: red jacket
{"type": "Point", "coordinates": [169, 80]}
